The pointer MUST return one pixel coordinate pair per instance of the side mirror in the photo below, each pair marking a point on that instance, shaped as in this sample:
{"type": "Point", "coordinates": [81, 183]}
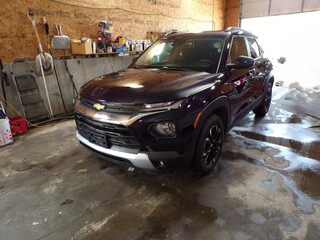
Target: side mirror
{"type": "Point", "coordinates": [242, 62]}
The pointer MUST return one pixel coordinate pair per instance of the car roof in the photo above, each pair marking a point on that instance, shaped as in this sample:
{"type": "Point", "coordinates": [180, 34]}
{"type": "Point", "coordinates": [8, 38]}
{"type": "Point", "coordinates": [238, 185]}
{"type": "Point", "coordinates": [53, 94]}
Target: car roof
{"type": "Point", "coordinates": [229, 31]}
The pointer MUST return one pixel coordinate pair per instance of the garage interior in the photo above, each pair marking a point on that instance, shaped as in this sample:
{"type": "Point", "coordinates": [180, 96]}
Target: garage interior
{"type": "Point", "coordinates": [267, 182]}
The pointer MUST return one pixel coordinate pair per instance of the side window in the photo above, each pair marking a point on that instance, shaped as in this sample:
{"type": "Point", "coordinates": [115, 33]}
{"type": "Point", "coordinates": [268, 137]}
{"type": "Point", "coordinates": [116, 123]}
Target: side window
{"type": "Point", "coordinates": [238, 48]}
{"type": "Point", "coordinates": [254, 48]}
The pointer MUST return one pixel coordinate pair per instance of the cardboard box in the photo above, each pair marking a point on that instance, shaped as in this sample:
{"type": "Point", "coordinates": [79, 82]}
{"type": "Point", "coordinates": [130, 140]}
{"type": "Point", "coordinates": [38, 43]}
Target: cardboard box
{"type": "Point", "coordinates": [79, 47]}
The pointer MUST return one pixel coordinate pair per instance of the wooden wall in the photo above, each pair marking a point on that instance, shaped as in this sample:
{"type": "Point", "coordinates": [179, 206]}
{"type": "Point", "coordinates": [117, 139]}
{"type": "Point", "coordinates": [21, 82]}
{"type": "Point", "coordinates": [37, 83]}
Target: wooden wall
{"type": "Point", "coordinates": [232, 11]}
{"type": "Point", "coordinates": [79, 18]}
{"type": "Point", "coordinates": [219, 14]}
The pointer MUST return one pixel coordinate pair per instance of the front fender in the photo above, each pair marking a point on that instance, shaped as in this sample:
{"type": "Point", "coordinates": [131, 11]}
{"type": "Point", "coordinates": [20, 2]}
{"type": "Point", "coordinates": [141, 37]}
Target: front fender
{"type": "Point", "coordinates": [219, 106]}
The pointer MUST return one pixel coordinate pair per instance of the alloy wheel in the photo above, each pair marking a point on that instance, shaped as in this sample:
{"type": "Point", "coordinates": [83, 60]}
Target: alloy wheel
{"type": "Point", "coordinates": [268, 98]}
{"type": "Point", "coordinates": [212, 145]}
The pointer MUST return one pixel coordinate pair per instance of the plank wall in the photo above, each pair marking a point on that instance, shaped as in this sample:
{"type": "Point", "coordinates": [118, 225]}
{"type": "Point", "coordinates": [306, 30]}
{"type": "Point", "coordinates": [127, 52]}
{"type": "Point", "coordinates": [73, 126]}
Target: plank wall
{"type": "Point", "coordinates": [232, 11]}
{"type": "Point", "coordinates": [79, 18]}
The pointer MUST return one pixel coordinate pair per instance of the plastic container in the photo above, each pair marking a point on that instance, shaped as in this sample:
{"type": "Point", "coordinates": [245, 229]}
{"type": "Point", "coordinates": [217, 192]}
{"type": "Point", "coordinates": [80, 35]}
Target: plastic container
{"type": "Point", "coordinates": [5, 132]}
{"type": "Point", "coordinates": [18, 125]}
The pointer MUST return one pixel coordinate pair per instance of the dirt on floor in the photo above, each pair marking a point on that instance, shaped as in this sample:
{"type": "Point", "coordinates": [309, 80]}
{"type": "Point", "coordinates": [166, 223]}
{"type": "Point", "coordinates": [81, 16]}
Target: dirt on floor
{"type": "Point", "coordinates": [266, 186]}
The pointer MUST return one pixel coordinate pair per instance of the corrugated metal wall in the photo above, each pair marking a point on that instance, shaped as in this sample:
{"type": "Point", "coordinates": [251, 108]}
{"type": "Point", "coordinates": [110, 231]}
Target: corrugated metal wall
{"type": "Point", "coordinates": [262, 8]}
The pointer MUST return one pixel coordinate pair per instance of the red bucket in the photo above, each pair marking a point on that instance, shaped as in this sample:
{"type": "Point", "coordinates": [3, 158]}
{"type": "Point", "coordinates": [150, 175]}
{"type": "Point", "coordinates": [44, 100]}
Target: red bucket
{"type": "Point", "coordinates": [18, 125]}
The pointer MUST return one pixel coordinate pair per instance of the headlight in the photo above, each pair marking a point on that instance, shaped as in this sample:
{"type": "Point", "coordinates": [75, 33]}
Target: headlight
{"type": "Point", "coordinates": [163, 106]}
{"type": "Point", "coordinates": [163, 130]}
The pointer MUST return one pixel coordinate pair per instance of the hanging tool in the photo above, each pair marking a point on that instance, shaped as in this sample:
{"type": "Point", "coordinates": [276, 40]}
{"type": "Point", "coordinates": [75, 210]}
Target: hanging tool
{"type": "Point", "coordinates": [4, 79]}
{"type": "Point", "coordinates": [60, 41]}
{"type": "Point", "coordinates": [75, 91]}
{"type": "Point", "coordinates": [44, 59]}
{"type": "Point", "coordinates": [46, 30]}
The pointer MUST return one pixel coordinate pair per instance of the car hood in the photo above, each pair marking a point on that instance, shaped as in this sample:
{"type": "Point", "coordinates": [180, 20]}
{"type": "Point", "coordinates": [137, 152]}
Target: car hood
{"type": "Point", "coordinates": [140, 86]}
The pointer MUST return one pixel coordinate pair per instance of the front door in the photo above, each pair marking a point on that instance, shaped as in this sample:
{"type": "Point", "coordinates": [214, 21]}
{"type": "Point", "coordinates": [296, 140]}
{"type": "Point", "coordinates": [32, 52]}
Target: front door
{"type": "Point", "coordinates": [240, 82]}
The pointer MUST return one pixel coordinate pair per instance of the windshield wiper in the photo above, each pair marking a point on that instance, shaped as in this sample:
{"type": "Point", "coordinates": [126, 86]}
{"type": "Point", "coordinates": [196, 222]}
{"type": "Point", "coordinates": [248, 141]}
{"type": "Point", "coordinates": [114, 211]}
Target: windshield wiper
{"type": "Point", "coordinates": [173, 68]}
{"type": "Point", "coordinates": [140, 66]}
{"type": "Point", "coordinates": [160, 67]}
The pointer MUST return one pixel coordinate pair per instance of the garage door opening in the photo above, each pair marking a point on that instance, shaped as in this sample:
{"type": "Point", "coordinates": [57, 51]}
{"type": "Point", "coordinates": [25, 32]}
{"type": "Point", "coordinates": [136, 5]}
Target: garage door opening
{"type": "Point", "coordinates": [294, 37]}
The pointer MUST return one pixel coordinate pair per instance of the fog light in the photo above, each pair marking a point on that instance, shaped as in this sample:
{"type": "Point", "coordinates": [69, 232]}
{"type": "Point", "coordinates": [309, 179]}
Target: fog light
{"type": "Point", "coordinates": [165, 129]}
{"type": "Point", "coordinates": [161, 164]}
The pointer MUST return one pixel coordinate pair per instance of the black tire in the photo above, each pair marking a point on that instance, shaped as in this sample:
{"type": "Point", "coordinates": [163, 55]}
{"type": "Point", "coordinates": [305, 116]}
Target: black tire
{"type": "Point", "coordinates": [263, 108]}
{"type": "Point", "coordinates": [209, 146]}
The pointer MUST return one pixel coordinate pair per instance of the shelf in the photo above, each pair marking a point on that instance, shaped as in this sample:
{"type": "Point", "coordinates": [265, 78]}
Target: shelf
{"type": "Point", "coordinates": [95, 55]}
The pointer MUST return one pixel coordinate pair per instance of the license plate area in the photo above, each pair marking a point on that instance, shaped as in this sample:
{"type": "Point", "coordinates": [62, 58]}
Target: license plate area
{"type": "Point", "coordinates": [93, 136]}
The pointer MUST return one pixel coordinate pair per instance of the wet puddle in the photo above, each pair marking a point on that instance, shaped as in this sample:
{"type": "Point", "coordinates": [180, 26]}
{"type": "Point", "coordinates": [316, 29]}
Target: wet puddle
{"type": "Point", "coordinates": [279, 117]}
{"type": "Point", "coordinates": [179, 202]}
{"type": "Point", "coordinates": [310, 149]}
{"type": "Point", "coordinates": [296, 162]}
{"type": "Point", "coordinates": [182, 205]}
{"type": "Point", "coordinates": [308, 182]}
{"type": "Point", "coordinates": [233, 156]}
{"type": "Point", "coordinates": [304, 183]}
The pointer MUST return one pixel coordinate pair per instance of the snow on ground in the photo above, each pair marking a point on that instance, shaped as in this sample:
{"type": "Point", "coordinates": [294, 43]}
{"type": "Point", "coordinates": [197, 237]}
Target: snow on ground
{"type": "Point", "coordinates": [298, 99]}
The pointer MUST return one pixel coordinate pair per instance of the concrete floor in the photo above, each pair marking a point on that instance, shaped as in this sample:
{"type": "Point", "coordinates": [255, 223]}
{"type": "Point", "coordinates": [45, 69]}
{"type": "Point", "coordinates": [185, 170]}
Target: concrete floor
{"type": "Point", "coordinates": [266, 186]}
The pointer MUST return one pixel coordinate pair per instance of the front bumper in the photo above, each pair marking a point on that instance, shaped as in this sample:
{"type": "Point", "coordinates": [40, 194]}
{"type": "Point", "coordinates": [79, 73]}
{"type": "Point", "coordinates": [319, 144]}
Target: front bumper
{"type": "Point", "coordinates": [139, 160]}
{"type": "Point", "coordinates": [162, 160]}
{"type": "Point", "coordinates": [125, 140]}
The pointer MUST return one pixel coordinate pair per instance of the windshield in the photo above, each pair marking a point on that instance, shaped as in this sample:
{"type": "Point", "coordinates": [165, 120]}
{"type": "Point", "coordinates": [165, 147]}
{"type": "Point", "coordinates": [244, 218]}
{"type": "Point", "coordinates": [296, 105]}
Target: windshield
{"type": "Point", "coordinates": [199, 54]}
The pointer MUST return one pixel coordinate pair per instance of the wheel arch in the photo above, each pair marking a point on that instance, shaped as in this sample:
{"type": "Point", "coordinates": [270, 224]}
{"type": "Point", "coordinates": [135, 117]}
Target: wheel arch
{"type": "Point", "coordinates": [221, 107]}
{"type": "Point", "coordinates": [271, 79]}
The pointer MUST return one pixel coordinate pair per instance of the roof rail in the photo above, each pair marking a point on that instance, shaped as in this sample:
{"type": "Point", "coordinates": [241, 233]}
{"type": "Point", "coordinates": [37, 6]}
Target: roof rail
{"type": "Point", "coordinates": [174, 32]}
{"type": "Point", "coordinates": [170, 33]}
{"type": "Point", "coordinates": [237, 30]}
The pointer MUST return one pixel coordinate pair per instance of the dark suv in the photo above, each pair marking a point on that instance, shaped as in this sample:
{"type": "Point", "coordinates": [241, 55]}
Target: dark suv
{"type": "Point", "coordinates": [174, 104]}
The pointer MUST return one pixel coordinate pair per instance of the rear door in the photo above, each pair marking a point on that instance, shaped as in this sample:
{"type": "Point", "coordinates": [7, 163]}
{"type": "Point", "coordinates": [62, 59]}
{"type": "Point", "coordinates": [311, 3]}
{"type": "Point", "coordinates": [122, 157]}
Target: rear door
{"type": "Point", "coordinates": [260, 70]}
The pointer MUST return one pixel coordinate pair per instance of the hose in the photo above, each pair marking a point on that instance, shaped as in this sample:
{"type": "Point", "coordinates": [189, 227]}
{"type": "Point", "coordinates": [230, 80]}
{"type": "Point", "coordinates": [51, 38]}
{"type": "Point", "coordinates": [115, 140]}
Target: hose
{"type": "Point", "coordinates": [69, 116]}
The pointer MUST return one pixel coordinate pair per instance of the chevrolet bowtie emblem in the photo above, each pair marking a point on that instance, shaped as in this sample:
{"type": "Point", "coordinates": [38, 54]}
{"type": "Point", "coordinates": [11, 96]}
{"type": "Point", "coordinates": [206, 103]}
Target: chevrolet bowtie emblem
{"type": "Point", "coordinates": [98, 106]}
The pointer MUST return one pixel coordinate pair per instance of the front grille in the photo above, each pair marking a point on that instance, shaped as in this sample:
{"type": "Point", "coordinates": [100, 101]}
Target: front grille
{"type": "Point", "coordinates": [105, 134]}
{"type": "Point", "coordinates": [111, 107]}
